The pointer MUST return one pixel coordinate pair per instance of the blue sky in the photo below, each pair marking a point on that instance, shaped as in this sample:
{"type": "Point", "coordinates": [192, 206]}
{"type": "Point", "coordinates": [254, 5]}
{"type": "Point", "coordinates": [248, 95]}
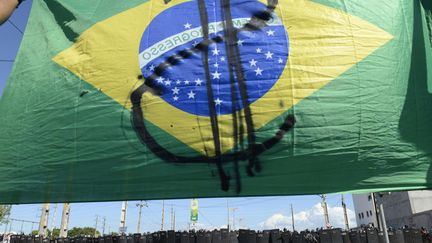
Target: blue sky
{"type": "Point", "coordinates": [252, 212]}
{"type": "Point", "coordinates": [10, 38]}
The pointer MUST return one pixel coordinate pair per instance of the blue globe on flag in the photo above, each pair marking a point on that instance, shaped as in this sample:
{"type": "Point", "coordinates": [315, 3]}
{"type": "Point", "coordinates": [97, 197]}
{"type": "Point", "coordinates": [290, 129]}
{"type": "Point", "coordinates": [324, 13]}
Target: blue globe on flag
{"type": "Point", "coordinates": [263, 56]}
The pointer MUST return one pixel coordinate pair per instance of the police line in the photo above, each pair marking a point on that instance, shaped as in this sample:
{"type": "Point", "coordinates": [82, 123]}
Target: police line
{"type": "Point", "coordinates": [370, 235]}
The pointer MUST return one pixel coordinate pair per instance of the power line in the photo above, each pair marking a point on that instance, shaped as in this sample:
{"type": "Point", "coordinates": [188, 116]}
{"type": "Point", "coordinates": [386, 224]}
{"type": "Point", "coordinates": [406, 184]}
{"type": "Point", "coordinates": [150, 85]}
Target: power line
{"type": "Point", "coordinates": [6, 60]}
{"type": "Point", "coordinates": [223, 204]}
{"type": "Point", "coordinates": [335, 204]}
{"type": "Point", "coordinates": [246, 202]}
{"type": "Point", "coordinates": [23, 220]}
{"type": "Point", "coordinates": [206, 219]}
{"type": "Point", "coordinates": [16, 27]}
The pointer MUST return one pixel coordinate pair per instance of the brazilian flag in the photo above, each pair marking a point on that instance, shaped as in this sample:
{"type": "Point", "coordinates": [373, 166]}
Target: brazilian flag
{"type": "Point", "coordinates": [113, 100]}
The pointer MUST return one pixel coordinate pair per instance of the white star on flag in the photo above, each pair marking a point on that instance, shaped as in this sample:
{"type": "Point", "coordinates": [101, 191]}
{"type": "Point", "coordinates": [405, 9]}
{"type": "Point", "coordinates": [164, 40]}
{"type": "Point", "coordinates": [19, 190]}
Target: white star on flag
{"type": "Point", "coordinates": [187, 25]}
{"type": "Point", "coordinates": [270, 33]}
{"type": "Point", "coordinates": [269, 55]}
{"type": "Point", "coordinates": [198, 82]}
{"type": "Point", "coordinates": [216, 75]}
{"type": "Point", "coordinates": [191, 95]}
{"type": "Point", "coordinates": [215, 52]}
{"type": "Point", "coordinates": [218, 101]}
{"type": "Point", "coordinates": [193, 89]}
{"type": "Point", "coordinates": [258, 71]}
{"type": "Point", "coordinates": [175, 90]}
{"type": "Point", "coordinates": [160, 80]}
{"type": "Point", "coordinates": [152, 68]}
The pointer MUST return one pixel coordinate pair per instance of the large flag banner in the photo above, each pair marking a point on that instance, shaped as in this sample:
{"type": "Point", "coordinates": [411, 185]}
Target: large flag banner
{"type": "Point", "coordinates": [116, 100]}
{"type": "Point", "coordinates": [194, 211]}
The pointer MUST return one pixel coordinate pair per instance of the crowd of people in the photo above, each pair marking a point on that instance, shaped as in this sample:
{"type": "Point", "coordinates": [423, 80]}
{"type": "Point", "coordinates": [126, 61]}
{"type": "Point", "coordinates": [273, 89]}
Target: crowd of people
{"type": "Point", "coordinates": [361, 235]}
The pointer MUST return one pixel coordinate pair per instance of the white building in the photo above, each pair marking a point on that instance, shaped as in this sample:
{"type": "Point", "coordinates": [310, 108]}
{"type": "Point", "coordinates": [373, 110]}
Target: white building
{"type": "Point", "coordinates": [364, 209]}
{"type": "Point", "coordinates": [411, 208]}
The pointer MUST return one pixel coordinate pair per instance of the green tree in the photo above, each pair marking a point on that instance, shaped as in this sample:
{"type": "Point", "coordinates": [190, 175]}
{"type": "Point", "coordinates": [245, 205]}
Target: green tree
{"type": "Point", "coordinates": [4, 213]}
{"type": "Point", "coordinates": [77, 231]}
{"type": "Point", "coordinates": [54, 234]}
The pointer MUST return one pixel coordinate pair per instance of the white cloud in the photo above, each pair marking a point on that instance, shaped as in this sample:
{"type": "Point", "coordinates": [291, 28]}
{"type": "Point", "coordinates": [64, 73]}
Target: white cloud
{"type": "Point", "coordinates": [277, 221]}
{"type": "Point", "coordinates": [199, 226]}
{"type": "Point", "coordinates": [309, 219]}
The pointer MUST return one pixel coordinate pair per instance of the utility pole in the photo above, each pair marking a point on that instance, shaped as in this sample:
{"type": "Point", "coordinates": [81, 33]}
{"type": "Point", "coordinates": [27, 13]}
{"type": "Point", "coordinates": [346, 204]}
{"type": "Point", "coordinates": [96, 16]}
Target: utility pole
{"type": "Point", "coordinates": [123, 218]}
{"type": "Point", "coordinates": [22, 226]}
{"type": "Point", "coordinates": [172, 218]}
{"type": "Point", "coordinates": [64, 220]}
{"type": "Point", "coordinates": [96, 225]}
{"type": "Point", "coordinates": [233, 220]}
{"type": "Point", "coordinates": [228, 216]}
{"type": "Point", "coordinates": [7, 221]}
{"type": "Point", "coordinates": [345, 212]}
{"type": "Point", "coordinates": [43, 223]}
{"type": "Point", "coordinates": [53, 221]}
{"type": "Point", "coordinates": [384, 223]}
{"type": "Point", "coordinates": [103, 226]}
{"type": "Point", "coordinates": [382, 218]}
{"type": "Point", "coordinates": [140, 205]}
{"type": "Point", "coordinates": [292, 218]}
{"type": "Point", "coordinates": [10, 226]}
{"type": "Point", "coordinates": [324, 206]}
{"type": "Point", "coordinates": [174, 221]}
{"type": "Point", "coordinates": [163, 215]}
{"type": "Point", "coordinates": [374, 201]}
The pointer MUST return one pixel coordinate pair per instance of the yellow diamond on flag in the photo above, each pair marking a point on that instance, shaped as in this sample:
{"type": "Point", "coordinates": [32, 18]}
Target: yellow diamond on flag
{"type": "Point", "coordinates": [323, 44]}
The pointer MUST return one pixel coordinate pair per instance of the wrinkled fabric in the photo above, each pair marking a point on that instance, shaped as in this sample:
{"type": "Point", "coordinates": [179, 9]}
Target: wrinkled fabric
{"type": "Point", "coordinates": [132, 100]}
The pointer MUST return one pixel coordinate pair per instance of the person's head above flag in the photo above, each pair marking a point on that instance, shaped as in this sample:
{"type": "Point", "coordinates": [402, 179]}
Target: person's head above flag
{"type": "Point", "coordinates": [6, 9]}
